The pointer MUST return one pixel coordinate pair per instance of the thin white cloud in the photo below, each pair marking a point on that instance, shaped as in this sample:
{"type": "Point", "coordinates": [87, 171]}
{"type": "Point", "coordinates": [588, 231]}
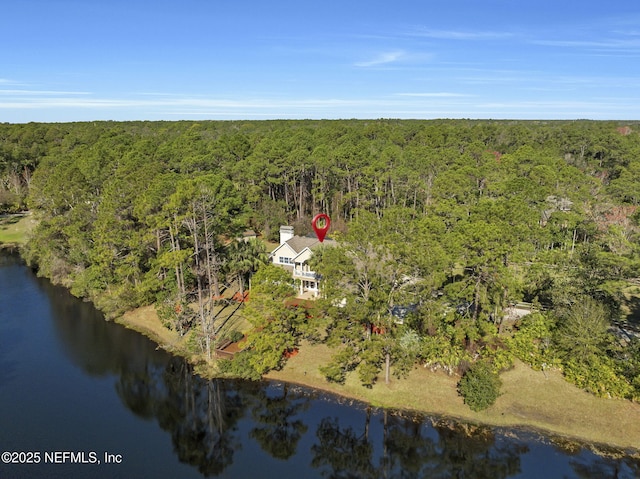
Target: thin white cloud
{"type": "Point", "coordinates": [383, 59]}
{"type": "Point", "coordinates": [26, 93]}
{"type": "Point", "coordinates": [434, 95]}
{"type": "Point", "coordinates": [459, 34]}
{"type": "Point", "coordinates": [51, 105]}
{"type": "Point", "coordinates": [630, 33]}
{"type": "Point", "coordinates": [570, 108]}
{"type": "Point", "coordinates": [613, 44]}
{"type": "Point", "coordinates": [7, 81]}
{"type": "Point", "coordinates": [184, 102]}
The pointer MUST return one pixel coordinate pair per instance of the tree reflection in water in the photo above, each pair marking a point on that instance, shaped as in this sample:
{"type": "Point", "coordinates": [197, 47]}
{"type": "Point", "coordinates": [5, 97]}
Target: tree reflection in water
{"type": "Point", "coordinates": [200, 415]}
{"type": "Point", "coordinates": [411, 451]}
{"type": "Point", "coordinates": [607, 468]}
{"type": "Point", "coordinates": [409, 446]}
{"type": "Point", "coordinates": [277, 430]}
{"type": "Point", "coordinates": [472, 451]}
{"type": "Point", "coordinates": [245, 429]}
{"type": "Point", "coordinates": [342, 452]}
{"type": "Point", "coordinates": [204, 419]}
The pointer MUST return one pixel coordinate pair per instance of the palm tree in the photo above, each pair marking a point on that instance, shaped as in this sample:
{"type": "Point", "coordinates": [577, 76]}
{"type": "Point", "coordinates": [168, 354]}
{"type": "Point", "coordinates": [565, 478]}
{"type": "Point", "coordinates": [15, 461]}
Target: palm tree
{"type": "Point", "coordinates": [245, 257]}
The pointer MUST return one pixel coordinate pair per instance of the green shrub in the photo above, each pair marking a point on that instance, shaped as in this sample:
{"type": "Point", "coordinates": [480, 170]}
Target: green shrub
{"type": "Point", "coordinates": [480, 386]}
{"type": "Point", "coordinates": [531, 343]}
{"type": "Point", "coordinates": [441, 351]}
{"type": "Point", "coordinates": [235, 336]}
{"type": "Point", "coordinates": [501, 358]}
{"type": "Point", "coordinates": [239, 367]}
{"type": "Point", "coordinates": [598, 375]}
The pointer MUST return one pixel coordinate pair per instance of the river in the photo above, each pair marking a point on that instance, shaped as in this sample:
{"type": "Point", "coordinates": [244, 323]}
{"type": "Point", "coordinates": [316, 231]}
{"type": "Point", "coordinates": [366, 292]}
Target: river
{"type": "Point", "coordinates": [83, 397]}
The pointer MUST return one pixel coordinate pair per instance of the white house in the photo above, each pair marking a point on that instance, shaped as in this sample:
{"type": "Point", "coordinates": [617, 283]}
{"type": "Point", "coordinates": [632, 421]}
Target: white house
{"type": "Point", "coordinates": [293, 253]}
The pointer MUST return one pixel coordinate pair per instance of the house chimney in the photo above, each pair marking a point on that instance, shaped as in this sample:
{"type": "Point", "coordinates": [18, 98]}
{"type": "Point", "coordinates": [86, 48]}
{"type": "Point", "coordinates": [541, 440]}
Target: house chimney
{"type": "Point", "coordinates": [286, 233]}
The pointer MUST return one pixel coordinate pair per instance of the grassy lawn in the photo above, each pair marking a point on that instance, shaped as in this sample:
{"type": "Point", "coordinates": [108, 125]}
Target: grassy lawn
{"type": "Point", "coordinates": [15, 228]}
{"type": "Point", "coordinates": [145, 320]}
{"type": "Point", "coordinates": [532, 399]}
{"type": "Point", "coordinates": [541, 401]}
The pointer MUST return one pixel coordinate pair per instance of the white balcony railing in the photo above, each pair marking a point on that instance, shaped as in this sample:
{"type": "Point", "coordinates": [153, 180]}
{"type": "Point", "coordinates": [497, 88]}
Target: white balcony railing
{"type": "Point", "coordinates": [305, 274]}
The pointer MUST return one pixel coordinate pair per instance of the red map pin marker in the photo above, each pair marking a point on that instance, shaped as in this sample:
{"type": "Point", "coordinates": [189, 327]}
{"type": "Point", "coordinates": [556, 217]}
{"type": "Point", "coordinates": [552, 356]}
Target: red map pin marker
{"type": "Point", "coordinates": [320, 225]}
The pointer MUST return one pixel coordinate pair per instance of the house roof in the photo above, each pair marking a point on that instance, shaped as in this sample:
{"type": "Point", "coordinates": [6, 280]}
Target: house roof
{"type": "Point", "coordinates": [299, 243]}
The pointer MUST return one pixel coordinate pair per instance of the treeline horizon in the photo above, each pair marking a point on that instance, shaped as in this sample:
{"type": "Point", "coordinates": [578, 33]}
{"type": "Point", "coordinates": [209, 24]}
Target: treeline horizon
{"type": "Point", "coordinates": [454, 219]}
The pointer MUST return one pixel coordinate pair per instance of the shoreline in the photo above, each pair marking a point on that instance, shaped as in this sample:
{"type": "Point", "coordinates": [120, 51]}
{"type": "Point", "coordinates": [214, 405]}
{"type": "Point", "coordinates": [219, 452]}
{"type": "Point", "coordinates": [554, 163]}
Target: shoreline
{"type": "Point", "coordinates": [436, 395]}
{"type": "Point", "coordinates": [528, 398]}
{"type": "Point", "coordinates": [547, 435]}
{"type": "Point", "coordinates": [616, 430]}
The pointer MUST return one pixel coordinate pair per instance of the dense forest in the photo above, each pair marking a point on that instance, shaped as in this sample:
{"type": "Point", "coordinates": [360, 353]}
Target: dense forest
{"type": "Point", "coordinates": [442, 227]}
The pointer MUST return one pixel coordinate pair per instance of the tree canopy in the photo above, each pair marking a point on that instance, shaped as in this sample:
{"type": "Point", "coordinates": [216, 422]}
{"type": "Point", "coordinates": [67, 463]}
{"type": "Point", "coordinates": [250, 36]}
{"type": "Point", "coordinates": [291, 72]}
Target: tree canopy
{"type": "Point", "coordinates": [443, 227]}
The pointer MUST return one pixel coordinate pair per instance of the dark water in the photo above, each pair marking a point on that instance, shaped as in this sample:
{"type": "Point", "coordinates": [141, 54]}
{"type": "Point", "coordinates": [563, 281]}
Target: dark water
{"type": "Point", "coordinates": [74, 387]}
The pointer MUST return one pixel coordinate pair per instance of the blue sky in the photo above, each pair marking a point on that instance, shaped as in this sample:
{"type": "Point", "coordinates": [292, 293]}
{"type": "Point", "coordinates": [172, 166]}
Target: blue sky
{"type": "Point", "coordinates": [77, 60]}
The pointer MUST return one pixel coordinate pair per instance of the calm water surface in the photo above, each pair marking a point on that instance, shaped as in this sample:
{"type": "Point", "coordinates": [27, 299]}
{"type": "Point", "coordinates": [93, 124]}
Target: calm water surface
{"type": "Point", "coordinates": [74, 387]}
